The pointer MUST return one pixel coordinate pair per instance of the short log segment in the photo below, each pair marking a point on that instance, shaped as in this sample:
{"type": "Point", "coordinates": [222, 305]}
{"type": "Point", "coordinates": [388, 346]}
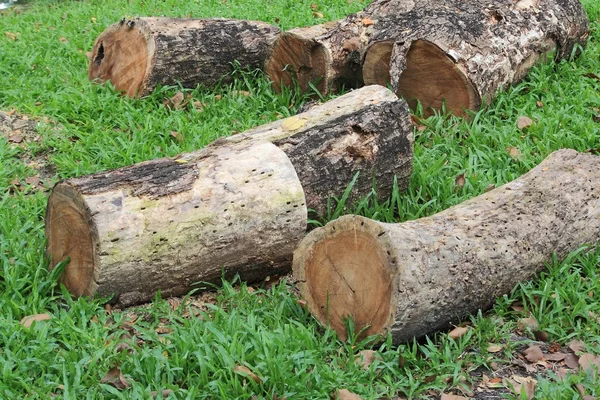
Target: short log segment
{"type": "Point", "coordinates": [139, 54]}
{"type": "Point", "coordinates": [239, 205]}
{"type": "Point", "coordinates": [453, 52]}
{"type": "Point", "coordinates": [415, 277]}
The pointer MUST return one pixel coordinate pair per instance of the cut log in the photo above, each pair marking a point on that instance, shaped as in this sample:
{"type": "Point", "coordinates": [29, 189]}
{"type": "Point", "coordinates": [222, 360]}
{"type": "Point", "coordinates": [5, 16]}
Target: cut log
{"type": "Point", "coordinates": [412, 278]}
{"type": "Point", "coordinates": [453, 52]}
{"type": "Point", "coordinates": [139, 54]}
{"type": "Point", "coordinates": [240, 205]}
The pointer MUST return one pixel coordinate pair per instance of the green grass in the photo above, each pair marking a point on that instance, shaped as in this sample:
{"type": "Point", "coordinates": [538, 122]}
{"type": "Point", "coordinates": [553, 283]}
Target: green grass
{"type": "Point", "coordinates": [265, 330]}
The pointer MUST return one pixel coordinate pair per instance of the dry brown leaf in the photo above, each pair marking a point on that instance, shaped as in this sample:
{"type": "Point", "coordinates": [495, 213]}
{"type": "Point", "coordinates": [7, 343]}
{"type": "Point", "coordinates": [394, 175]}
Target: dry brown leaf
{"type": "Point", "coordinates": [345, 394]}
{"type": "Point", "coordinates": [524, 122]}
{"type": "Point", "coordinates": [314, 6]}
{"type": "Point", "coordinates": [588, 397]}
{"type": "Point", "coordinates": [243, 93]}
{"type": "Point", "coordinates": [28, 320]}
{"type": "Point", "coordinates": [561, 374]}
{"type": "Point", "coordinates": [115, 377]}
{"type": "Point", "coordinates": [365, 358]}
{"type": "Point", "coordinates": [494, 348]}
{"type": "Point", "coordinates": [177, 135]}
{"type": "Point", "coordinates": [555, 356]}
{"type": "Point", "coordinates": [174, 102]}
{"type": "Point", "coordinates": [572, 361]}
{"type": "Point", "coordinates": [589, 361]}
{"type": "Point", "coordinates": [541, 336]}
{"type": "Point", "coordinates": [245, 371]}
{"type": "Point", "coordinates": [63, 39]}
{"type": "Point", "coordinates": [452, 397]}
{"type": "Point", "coordinates": [459, 181]}
{"type": "Point", "coordinates": [580, 389]}
{"type": "Point", "coordinates": [33, 180]}
{"type": "Point", "coordinates": [458, 332]}
{"type": "Point", "coordinates": [519, 384]}
{"type": "Point", "coordinates": [161, 330]}
{"type": "Point", "coordinates": [16, 137]}
{"type": "Point", "coordinates": [533, 354]}
{"type": "Point", "coordinates": [11, 35]}
{"type": "Point", "coordinates": [367, 21]}
{"type": "Point", "coordinates": [576, 345]}
{"type": "Point", "coordinates": [513, 152]}
{"type": "Point", "coordinates": [528, 323]}
{"type": "Point", "coordinates": [517, 306]}
{"type": "Point", "coordinates": [539, 104]}
{"type": "Point", "coordinates": [317, 14]}
{"type": "Point", "coordinates": [591, 75]}
{"type": "Point", "coordinates": [164, 393]}
{"type": "Point", "coordinates": [198, 105]}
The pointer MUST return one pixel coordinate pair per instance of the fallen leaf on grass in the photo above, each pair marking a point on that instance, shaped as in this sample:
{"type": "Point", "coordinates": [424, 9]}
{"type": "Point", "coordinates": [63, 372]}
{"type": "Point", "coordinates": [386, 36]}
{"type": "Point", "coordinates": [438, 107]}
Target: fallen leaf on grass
{"type": "Point", "coordinates": [541, 336]}
{"type": "Point", "coordinates": [30, 319]}
{"type": "Point", "coordinates": [517, 306]}
{"type": "Point", "coordinates": [63, 39]}
{"type": "Point", "coordinates": [11, 35]}
{"type": "Point", "coordinates": [555, 356]}
{"type": "Point", "coordinates": [459, 181]}
{"type": "Point", "coordinates": [175, 102]}
{"type": "Point", "coordinates": [115, 377]}
{"type": "Point", "coordinates": [572, 361]}
{"type": "Point", "coordinates": [528, 323]}
{"type": "Point", "coordinates": [533, 354]}
{"type": "Point", "coordinates": [365, 358]}
{"type": "Point", "coordinates": [164, 393]}
{"type": "Point", "coordinates": [494, 348]}
{"type": "Point", "coordinates": [178, 136]}
{"type": "Point", "coordinates": [539, 104]}
{"type": "Point", "coordinates": [522, 384]}
{"type": "Point", "coordinates": [345, 394]}
{"type": "Point", "coordinates": [33, 180]}
{"type": "Point", "coordinates": [589, 362]}
{"type": "Point", "coordinates": [317, 14]}
{"type": "Point", "coordinates": [592, 76]}
{"type": "Point", "coordinates": [245, 371]}
{"type": "Point", "coordinates": [513, 152]}
{"type": "Point", "coordinates": [458, 332]}
{"type": "Point", "coordinates": [524, 122]}
{"type": "Point", "coordinates": [576, 345]}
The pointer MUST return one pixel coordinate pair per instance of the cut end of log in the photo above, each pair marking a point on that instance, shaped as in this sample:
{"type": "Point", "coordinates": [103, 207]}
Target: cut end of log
{"type": "Point", "coordinates": [71, 234]}
{"type": "Point", "coordinates": [120, 55]}
{"type": "Point", "coordinates": [345, 274]}
{"type": "Point", "coordinates": [430, 78]}
{"type": "Point", "coordinates": [294, 58]}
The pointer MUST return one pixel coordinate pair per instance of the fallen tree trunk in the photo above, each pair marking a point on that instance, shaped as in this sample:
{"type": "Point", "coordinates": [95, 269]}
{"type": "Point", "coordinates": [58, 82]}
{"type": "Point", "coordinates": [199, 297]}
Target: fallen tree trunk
{"type": "Point", "coordinates": [433, 52]}
{"type": "Point", "coordinates": [139, 54]}
{"type": "Point", "coordinates": [415, 277]}
{"type": "Point", "coordinates": [239, 205]}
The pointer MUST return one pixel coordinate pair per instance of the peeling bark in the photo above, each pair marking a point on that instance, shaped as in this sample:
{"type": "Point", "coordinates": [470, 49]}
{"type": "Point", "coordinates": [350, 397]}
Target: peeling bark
{"type": "Point", "coordinates": [412, 278]}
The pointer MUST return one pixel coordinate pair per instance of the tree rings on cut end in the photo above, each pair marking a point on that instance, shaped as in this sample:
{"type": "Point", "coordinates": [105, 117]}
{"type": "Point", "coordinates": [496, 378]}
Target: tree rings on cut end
{"type": "Point", "coordinates": [72, 234]}
{"type": "Point", "coordinates": [345, 273]}
{"type": "Point", "coordinates": [294, 58]}
{"type": "Point", "coordinates": [120, 55]}
{"type": "Point", "coordinates": [430, 77]}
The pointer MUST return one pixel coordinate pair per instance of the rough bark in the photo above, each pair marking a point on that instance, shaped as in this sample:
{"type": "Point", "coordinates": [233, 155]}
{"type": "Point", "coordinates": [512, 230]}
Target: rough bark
{"type": "Point", "coordinates": [239, 205]}
{"type": "Point", "coordinates": [435, 51]}
{"type": "Point", "coordinates": [139, 54]}
{"type": "Point", "coordinates": [415, 277]}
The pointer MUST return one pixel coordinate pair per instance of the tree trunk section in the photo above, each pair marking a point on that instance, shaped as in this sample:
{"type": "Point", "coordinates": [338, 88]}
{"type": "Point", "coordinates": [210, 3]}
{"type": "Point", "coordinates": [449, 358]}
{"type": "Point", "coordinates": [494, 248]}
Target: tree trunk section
{"type": "Point", "coordinates": [139, 54]}
{"type": "Point", "coordinates": [450, 54]}
{"type": "Point", "coordinates": [239, 206]}
{"type": "Point", "coordinates": [412, 278]}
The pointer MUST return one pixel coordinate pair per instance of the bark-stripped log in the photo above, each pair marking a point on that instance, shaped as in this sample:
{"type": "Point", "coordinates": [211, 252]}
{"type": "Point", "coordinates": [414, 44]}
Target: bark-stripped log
{"type": "Point", "coordinates": [139, 54]}
{"type": "Point", "coordinates": [415, 277]}
{"type": "Point", "coordinates": [431, 51]}
{"type": "Point", "coordinates": [238, 205]}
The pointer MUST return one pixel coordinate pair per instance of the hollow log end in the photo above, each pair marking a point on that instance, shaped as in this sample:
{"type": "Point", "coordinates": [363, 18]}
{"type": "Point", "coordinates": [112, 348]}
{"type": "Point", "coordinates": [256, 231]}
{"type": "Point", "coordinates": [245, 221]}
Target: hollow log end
{"type": "Point", "coordinates": [121, 56]}
{"type": "Point", "coordinates": [430, 77]}
{"type": "Point", "coordinates": [294, 60]}
{"type": "Point", "coordinates": [344, 272]}
{"type": "Point", "coordinates": [71, 234]}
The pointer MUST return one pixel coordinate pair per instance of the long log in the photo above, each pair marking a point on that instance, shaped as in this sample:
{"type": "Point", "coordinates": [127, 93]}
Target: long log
{"type": "Point", "coordinates": [139, 54]}
{"type": "Point", "coordinates": [433, 51]}
{"type": "Point", "coordinates": [412, 278]}
{"type": "Point", "coordinates": [239, 205]}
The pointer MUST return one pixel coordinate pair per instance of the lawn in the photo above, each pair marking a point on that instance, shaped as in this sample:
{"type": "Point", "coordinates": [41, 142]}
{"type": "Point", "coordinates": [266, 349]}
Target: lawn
{"type": "Point", "coordinates": [197, 347]}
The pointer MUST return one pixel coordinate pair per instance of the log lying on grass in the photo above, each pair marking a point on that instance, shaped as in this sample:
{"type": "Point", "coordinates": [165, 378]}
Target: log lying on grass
{"type": "Point", "coordinates": [418, 276]}
{"type": "Point", "coordinates": [239, 205]}
{"type": "Point", "coordinates": [139, 54]}
{"type": "Point", "coordinates": [460, 52]}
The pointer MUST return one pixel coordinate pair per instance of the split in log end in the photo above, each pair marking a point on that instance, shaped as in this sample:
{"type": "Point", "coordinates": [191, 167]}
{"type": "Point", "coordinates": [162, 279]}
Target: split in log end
{"type": "Point", "coordinates": [430, 77]}
{"type": "Point", "coordinates": [343, 273]}
{"type": "Point", "coordinates": [71, 234]}
{"type": "Point", "coordinates": [120, 55]}
{"type": "Point", "coordinates": [296, 58]}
